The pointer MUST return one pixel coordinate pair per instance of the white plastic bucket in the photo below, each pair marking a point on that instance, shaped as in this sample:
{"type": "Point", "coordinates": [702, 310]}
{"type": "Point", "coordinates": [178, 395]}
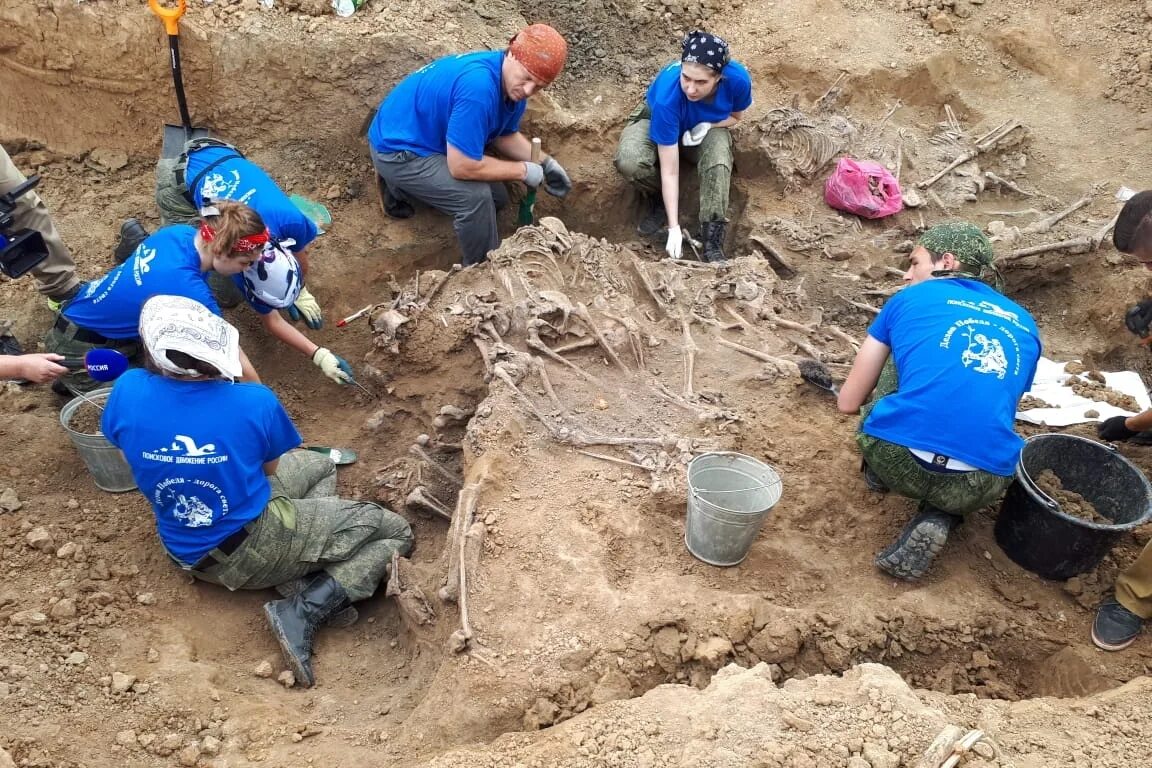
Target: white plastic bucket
{"type": "Point", "coordinates": [729, 496]}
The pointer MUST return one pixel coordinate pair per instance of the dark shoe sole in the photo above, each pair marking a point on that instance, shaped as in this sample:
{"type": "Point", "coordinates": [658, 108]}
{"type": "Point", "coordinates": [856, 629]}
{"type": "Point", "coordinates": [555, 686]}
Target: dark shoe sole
{"type": "Point", "coordinates": [916, 553]}
{"type": "Point", "coordinates": [873, 482]}
{"type": "Point", "coordinates": [1111, 646]}
{"type": "Point", "coordinates": [302, 670]}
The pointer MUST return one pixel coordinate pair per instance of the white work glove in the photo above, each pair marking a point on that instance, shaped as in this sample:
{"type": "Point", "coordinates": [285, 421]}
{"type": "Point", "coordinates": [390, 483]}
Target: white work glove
{"type": "Point", "coordinates": [695, 135]}
{"type": "Point", "coordinates": [533, 173]}
{"type": "Point", "coordinates": [308, 308]}
{"type": "Point", "coordinates": [335, 368]}
{"type": "Point", "coordinates": [675, 245]}
{"type": "Point", "coordinates": [556, 181]}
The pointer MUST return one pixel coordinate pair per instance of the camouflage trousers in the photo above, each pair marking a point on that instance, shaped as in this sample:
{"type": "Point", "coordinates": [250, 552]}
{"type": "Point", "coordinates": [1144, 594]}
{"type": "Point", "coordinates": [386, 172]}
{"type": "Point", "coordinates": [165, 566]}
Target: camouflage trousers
{"type": "Point", "coordinates": [956, 492]}
{"type": "Point", "coordinates": [306, 528]}
{"type": "Point", "coordinates": [638, 162]}
{"type": "Point", "coordinates": [64, 343]}
{"type": "Point", "coordinates": [175, 209]}
{"type": "Point", "coordinates": [1134, 586]}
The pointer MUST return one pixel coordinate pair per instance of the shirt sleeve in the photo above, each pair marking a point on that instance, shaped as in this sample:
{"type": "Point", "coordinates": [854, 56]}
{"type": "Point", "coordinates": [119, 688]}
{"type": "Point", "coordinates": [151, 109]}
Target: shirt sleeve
{"type": "Point", "coordinates": [301, 229]}
{"type": "Point", "coordinates": [741, 94]}
{"type": "Point", "coordinates": [472, 106]}
{"type": "Point", "coordinates": [881, 328]}
{"type": "Point", "coordinates": [282, 435]}
{"type": "Point", "coordinates": [512, 122]}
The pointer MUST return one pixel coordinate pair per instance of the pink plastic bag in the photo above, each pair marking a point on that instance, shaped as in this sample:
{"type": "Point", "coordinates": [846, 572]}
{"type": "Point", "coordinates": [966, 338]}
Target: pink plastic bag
{"type": "Point", "coordinates": [864, 188]}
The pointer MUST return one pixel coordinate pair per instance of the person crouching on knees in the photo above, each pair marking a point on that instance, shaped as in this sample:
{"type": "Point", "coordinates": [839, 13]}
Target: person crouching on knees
{"type": "Point", "coordinates": [945, 363]}
{"type": "Point", "coordinates": [235, 503]}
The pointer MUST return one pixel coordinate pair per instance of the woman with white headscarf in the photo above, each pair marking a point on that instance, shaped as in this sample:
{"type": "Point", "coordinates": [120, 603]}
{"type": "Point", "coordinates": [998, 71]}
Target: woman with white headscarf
{"type": "Point", "coordinates": [235, 504]}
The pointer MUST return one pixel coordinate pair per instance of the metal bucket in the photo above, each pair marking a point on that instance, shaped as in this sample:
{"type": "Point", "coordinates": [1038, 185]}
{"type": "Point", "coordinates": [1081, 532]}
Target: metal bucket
{"type": "Point", "coordinates": [105, 462]}
{"type": "Point", "coordinates": [729, 495]}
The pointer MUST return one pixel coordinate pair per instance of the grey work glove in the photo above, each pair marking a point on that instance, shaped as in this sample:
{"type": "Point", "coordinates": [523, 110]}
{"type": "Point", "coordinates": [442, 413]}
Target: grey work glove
{"type": "Point", "coordinates": [534, 173]}
{"type": "Point", "coordinates": [556, 181]}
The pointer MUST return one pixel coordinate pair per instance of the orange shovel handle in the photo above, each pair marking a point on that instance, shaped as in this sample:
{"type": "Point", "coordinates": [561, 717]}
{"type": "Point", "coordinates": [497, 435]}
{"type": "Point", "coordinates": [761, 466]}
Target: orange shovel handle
{"type": "Point", "coordinates": [170, 16]}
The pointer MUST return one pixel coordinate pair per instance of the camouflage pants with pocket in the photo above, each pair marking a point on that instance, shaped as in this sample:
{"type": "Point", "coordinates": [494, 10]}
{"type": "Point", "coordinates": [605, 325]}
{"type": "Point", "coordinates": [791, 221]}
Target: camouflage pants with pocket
{"type": "Point", "coordinates": [638, 162]}
{"type": "Point", "coordinates": [306, 528]}
{"type": "Point", "coordinates": [956, 492]}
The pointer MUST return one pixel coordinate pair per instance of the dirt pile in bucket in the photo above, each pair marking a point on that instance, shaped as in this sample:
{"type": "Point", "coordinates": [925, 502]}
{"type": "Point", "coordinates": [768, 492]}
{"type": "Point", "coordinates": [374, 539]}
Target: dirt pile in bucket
{"type": "Point", "coordinates": [86, 419]}
{"type": "Point", "coordinates": [1071, 503]}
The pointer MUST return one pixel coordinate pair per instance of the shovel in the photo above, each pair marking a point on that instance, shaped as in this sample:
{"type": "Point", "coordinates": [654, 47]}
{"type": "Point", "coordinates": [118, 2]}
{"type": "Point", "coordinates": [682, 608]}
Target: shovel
{"type": "Point", "coordinates": [175, 136]}
{"type": "Point", "coordinates": [526, 217]}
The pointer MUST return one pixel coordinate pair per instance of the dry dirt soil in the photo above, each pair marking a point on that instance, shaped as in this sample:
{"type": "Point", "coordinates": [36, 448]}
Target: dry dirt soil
{"type": "Point", "coordinates": [595, 638]}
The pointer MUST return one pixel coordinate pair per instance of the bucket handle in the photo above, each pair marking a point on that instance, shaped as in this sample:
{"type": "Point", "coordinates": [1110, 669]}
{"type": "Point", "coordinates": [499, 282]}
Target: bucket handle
{"type": "Point", "coordinates": [1049, 502]}
{"type": "Point", "coordinates": [744, 490]}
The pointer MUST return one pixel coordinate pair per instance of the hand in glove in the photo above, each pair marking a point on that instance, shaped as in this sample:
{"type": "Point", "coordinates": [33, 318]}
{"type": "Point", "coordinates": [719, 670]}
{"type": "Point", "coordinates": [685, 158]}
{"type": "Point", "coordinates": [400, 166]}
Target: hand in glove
{"type": "Point", "coordinates": [1115, 429]}
{"type": "Point", "coordinates": [1139, 318]}
{"type": "Point", "coordinates": [308, 308]}
{"type": "Point", "coordinates": [695, 135]}
{"type": "Point", "coordinates": [556, 181]}
{"type": "Point", "coordinates": [533, 173]}
{"type": "Point", "coordinates": [335, 368]}
{"type": "Point", "coordinates": [675, 245]}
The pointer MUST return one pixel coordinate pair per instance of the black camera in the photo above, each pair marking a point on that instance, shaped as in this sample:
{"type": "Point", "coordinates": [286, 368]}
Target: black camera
{"type": "Point", "coordinates": [20, 249]}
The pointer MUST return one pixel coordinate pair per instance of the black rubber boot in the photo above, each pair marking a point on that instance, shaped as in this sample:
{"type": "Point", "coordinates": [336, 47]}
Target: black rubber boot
{"type": "Point", "coordinates": [655, 216]}
{"type": "Point", "coordinates": [393, 206]}
{"type": "Point", "coordinates": [712, 233]}
{"type": "Point", "coordinates": [132, 233]}
{"type": "Point", "coordinates": [294, 620]}
{"type": "Point", "coordinates": [910, 556]}
{"type": "Point", "coordinates": [339, 620]}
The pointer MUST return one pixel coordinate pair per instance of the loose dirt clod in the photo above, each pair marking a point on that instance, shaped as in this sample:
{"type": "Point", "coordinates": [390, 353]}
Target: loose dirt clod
{"type": "Point", "coordinates": [1071, 503]}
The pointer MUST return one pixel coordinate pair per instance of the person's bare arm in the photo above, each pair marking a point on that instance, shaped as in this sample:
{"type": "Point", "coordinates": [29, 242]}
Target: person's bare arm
{"type": "Point", "coordinates": [487, 168]}
{"type": "Point", "coordinates": [287, 333]}
{"type": "Point", "coordinates": [729, 121]}
{"type": "Point", "coordinates": [514, 146]}
{"type": "Point", "coordinates": [862, 378]}
{"type": "Point", "coordinates": [270, 467]}
{"type": "Point", "coordinates": [37, 368]}
{"type": "Point", "coordinates": [247, 370]}
{"type": "Point", "coordinates": [670, 181]}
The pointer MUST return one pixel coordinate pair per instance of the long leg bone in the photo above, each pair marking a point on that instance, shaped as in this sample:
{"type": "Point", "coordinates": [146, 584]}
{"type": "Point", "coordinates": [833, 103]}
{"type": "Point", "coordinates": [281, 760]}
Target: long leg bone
{"type": "Point", "coordinates": [779, 362]}
{"type": "Point", "coordinates": [690, 350]}
{"type": "Point", "coordinates": [420, 498]}
{"type": "Point", "coordinates": [534, 342]}
{"type": "Point", "coordinates": [1045, 224]}
{"type": "Point", "coordinates": [441, 470]}
{"type": "Point", "coordinates": [466, 536]}
{"type": "Point", "coordinates": [582, 312]}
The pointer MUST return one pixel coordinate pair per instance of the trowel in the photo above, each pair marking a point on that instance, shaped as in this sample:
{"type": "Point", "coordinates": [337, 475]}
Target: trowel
{"type": "Point", "coordinates": [175, 136]}
{"type": "Point", "coordinates": [816, 373]}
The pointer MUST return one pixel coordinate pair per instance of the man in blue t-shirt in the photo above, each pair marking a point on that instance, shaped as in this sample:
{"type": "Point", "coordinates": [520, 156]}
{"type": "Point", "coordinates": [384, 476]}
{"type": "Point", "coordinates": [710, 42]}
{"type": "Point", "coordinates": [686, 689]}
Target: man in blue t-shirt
{"type": "Point", "coordinates": [946, 361]}
{"type": "Point", "coordinates": [692, 103]}
{"type": "Point", "coordinates": [430, 137]}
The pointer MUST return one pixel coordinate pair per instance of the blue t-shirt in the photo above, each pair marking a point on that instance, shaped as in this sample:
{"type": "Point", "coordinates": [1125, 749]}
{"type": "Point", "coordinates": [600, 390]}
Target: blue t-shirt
{"type": "Point", "coordinates": [457, 100]}
{"type": "Point", "coordinates": [245, 182]}
{"type": "Point", "coordinates": [964, 355]}
{"type": "Point", "coordinates": [197, 453]}
{"type": "Point", "coordinates": [673, 113]}
{"type": "Point", "coordinates": [165, 263]}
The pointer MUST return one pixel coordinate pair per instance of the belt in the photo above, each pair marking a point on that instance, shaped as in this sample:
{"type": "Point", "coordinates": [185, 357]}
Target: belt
{"type": "Point", "coordinates": [66, 326]}
{"type": "Point", "coordinates": [938, 462]}
{"type": "Point", "coordinates": [222, 550]}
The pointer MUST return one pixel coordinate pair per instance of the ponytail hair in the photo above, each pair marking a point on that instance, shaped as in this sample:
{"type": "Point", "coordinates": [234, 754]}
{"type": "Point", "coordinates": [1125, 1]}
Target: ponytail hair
{"type": "Point", "coordinates": [229, 228]}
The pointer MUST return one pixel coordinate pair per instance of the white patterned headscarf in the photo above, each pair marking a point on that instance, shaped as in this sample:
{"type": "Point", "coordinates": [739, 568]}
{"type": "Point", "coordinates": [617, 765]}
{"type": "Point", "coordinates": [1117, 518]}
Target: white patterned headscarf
{"type": "Point", "coordinates": [703, 48]}
{"type": "Point", "coordinates": [179, 324]}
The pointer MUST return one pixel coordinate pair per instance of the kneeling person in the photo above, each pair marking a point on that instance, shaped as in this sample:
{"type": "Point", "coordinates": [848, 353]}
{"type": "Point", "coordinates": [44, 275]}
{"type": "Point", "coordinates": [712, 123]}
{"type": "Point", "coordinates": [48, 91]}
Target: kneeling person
{"type": "Point", "coordinates": [946, 361]}
{"type": "Point", "coordinates": [235, 505]}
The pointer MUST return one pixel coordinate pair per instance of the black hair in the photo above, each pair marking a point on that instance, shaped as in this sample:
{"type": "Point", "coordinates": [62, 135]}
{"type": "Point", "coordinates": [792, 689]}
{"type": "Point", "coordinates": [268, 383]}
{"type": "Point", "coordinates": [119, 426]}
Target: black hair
{"type": "Point", "coordinates": [185, 361]}
{"type": "Point", "coordinates": [1134, 225]}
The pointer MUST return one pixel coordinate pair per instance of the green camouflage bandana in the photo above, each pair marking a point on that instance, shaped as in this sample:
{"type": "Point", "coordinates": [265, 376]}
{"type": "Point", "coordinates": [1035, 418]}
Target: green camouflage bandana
{"type": "Point", "coordinates": [970, 247]}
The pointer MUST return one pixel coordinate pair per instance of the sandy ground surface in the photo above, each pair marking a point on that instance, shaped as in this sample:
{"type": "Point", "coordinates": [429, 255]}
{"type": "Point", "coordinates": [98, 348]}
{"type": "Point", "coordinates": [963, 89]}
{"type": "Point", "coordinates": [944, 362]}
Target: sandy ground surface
{"type": "Point", "coordinates": [597, 639]}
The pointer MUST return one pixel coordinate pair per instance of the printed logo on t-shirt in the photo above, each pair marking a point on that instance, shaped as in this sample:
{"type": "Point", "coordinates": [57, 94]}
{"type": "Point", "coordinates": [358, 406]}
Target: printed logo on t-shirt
{"type": "Point", "coordinates": [987, 355]}
{"type": "Point", "coordinates": [142, 263]}
{"type": "Point", "coordinates": [218, 186]}
{"type": "Point", "coordinates": [184, 450]}
{"type": "Point", "coordinates": [186, 500]}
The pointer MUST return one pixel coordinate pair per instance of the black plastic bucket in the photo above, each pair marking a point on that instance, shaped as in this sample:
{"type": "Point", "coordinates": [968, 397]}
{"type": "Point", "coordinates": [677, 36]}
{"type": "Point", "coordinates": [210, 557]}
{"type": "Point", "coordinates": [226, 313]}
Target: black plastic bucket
{"type": "Point", "coordinates": [1033, 531]}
